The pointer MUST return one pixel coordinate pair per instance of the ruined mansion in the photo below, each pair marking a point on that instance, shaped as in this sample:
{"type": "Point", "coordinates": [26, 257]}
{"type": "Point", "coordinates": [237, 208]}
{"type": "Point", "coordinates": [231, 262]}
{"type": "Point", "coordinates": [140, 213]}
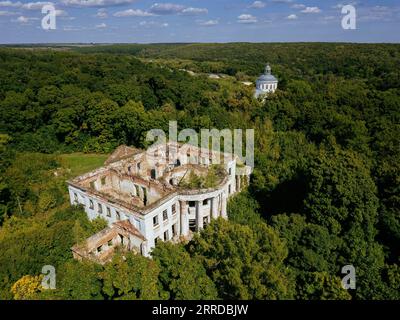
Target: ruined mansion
{"type": "Point", "coordinates": [164, 193]}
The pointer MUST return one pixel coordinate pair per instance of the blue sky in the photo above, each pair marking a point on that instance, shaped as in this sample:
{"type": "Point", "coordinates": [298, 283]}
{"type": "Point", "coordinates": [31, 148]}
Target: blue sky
{"type": "Point", "coordinates": [145, 21]}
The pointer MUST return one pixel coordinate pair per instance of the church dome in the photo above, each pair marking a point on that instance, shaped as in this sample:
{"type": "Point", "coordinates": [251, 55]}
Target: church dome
{"type": "Point", "coordinates": [266, 83]}
{"type": "Point", "coordinates": [267, 77]}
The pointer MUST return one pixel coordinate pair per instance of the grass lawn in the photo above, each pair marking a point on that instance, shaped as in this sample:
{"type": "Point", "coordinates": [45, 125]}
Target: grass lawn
{"type": "Point", "coordinates": [80, 163]}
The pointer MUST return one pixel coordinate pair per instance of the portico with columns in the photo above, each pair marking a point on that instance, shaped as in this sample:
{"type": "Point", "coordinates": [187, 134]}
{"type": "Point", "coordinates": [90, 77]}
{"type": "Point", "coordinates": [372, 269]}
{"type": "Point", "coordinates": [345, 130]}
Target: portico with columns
{"type": "Point", "coordinates": [198, 210]}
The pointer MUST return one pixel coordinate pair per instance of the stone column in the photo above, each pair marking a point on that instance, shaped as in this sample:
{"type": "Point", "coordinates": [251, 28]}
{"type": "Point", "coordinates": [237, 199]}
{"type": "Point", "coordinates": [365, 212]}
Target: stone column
{"type": "Point", "coordinates": [224, 213]}
{"type": "Point", "coordinates": [214, 208]}
{"type": "Point", "coordinates": [178, 220]}
{"type": "Point", "coordinates": [87, 205]}
{"type": "Point", "coordinates": [145, 249]}
{"type": "Point", "coordinates": [184, 220]}
{"type": "Point", "coordinates": [199, 217]}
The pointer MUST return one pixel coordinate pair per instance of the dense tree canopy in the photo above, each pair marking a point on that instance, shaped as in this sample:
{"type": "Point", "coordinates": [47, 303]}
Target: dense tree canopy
{"type": "Point", "coordinates": [243, 263]}
{"type": "Point", "coordinates": [179, 272]}
{"type": "Point", "coordinates": [324, 192]}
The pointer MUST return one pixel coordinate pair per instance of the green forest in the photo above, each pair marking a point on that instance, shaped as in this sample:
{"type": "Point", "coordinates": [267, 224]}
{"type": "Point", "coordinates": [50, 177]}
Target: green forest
{"type": "Point", "coordinates": [325, 191]}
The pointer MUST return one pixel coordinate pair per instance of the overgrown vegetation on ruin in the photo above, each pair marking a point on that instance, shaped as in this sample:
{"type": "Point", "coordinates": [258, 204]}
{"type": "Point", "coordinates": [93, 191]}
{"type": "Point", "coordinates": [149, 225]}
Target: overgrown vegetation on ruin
{"type": "Point", "coordinates": [325, 189]}
{"type": "Point", "coordinates": [214, 177]}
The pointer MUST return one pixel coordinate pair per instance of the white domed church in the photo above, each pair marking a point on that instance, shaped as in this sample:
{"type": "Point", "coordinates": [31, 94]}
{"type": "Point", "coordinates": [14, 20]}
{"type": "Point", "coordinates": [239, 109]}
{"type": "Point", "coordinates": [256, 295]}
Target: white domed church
{"type": "Point", "coordinates": [266, 83]}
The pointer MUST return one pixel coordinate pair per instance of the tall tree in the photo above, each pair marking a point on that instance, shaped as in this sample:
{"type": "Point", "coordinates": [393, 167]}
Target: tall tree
{"type": "Point", "coordinates": [130, 277]}
{"type": "Point", "coordinates": [242, 263]}
{"type": "Point", "coordinates": [181, 276]}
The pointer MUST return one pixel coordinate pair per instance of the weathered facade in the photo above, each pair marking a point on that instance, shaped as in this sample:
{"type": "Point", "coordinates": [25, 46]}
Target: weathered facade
{"type": "Point", "coordinates": [101, 246]}
{"type": "Point", "coordinates": [146, 191]}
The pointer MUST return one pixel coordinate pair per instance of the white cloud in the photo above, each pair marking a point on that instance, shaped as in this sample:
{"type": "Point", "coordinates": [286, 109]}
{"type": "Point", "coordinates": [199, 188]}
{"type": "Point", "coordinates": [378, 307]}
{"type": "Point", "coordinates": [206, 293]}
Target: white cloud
{"type": "Point", "coordinates": [172, 8]}
{"type": "Point", "coordinates": [38, 5]}
{"type": "Point", "coordinates": [247, 18]}
{"type": "Point", "coordinates": [35, 5]}
{"type": "Point", "coordinates": [208, 23]}
{"type": "Point", "coordinates": [101, 26]}
{"type": "Point", "coordinates": [338, 6]}
{"type": "Point", "coordinates": [7, 13]}
{"type": "Point", "coordinates": [24, 20]}
{"type": "Point", "coordinates": [257, 5]}
{"type": "Point", "coordinates": [166, 8]}
{"type": "Point", "coordinates": [298, 6]}
{"type": "Point", "coordinates": [73, 28]}
{"type": "Point", "coordinates": [61, 13]}
{"type": "Point", "coordinates": [292, 17]}
{"type": "Point", "coordinates": [95, 3]}
{"type": "Point", "coordinates": [10, 4]}
{"type": "Point", "coordinates": [133, 13]}
{"type": "Point", "coordinates": [379, 13]}
{"type": "Point", "coordinates": [194, 11]}
{"type": "Point", "coordinates": [311, 10]}
{"type": "Point", "coordinates": [101, 13]}
{"type": "Point", "coordinates": [149, 24]}
{"type": "Point", "coordinates": [341, 5]}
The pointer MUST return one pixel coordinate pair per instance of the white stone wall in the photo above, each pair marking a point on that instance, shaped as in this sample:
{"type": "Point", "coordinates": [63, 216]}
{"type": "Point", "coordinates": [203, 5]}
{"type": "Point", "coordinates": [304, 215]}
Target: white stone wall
{"type": "Point", "coordinates": [271, 87]}
{"type": "Point", "coordinates": [152, 232]}
{"type": "Point", "coordinates": [231, 169]}
{"type": "Point", "coordinates": [215, 207]}
{"type": "Point", "coordinates": [207, 206]}
{"type": "Point", "coordinates": [110, 216]}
